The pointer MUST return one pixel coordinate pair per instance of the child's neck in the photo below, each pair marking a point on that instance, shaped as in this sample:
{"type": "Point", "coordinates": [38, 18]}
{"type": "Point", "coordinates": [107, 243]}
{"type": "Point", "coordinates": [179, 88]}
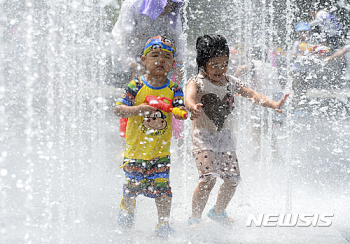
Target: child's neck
{"type": "Point", "coordinates": [156, 81]}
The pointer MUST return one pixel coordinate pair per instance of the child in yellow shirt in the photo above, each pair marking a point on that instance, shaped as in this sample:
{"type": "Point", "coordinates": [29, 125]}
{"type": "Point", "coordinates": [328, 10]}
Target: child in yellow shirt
{"type": "Point", "coordinates": [149, 130]}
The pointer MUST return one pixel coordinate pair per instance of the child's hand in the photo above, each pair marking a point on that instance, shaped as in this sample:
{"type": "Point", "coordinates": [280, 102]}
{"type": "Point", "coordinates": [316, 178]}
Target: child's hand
{"type": "Point", "coordinates": [277, 105]}
{"type": "Point", "coordinates": [195, 112]}
{"type": "Point", "coordinates": [179, 117]}
{"type": "Point", "coordinates": [145, 109]}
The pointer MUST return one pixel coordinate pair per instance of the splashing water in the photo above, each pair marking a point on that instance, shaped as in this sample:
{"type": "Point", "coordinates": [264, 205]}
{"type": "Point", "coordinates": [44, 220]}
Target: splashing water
{"type": "Point", "coordinates": [60, 180]}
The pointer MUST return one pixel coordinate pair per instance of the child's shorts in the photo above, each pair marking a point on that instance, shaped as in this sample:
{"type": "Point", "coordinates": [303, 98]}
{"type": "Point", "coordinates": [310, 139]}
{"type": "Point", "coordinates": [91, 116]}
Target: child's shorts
{"type": "Point", "coordinates": [212, 164]}
{"type": "Point", "coordinates": [147, 177]}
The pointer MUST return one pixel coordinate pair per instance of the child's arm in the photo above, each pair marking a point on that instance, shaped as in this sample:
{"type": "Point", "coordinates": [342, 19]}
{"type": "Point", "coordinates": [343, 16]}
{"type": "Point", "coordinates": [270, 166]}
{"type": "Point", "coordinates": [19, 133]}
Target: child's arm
{"type": "Point", "coordinates": [191, 92]}
{"type": "Point", "coordinates": [336, 55]}
{"type": "Point", "coordinates": [125, 111]}
{"type": "Point", "coordinates": [262, 100]}
{"type": "Point", "coordinates": [241, 70]}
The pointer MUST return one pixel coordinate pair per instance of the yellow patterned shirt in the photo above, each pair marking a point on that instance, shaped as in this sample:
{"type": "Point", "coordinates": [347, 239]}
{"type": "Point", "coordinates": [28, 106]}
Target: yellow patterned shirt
{"type": "Point", "coordinates": [149, 137]}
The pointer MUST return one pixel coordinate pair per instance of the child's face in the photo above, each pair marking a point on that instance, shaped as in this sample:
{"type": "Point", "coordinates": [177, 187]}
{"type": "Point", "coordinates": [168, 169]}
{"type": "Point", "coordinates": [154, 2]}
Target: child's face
{"type": "Point", "coordinates": [158, 62]}
{"type": "Point", "coordinates": [217, 67]}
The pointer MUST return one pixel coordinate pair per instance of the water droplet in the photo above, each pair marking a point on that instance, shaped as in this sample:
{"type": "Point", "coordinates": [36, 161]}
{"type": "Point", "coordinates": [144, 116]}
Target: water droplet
{"type": "Point", "coordinates": [19, 184]}
{"type": "Point", "coordinates": [3, 172]}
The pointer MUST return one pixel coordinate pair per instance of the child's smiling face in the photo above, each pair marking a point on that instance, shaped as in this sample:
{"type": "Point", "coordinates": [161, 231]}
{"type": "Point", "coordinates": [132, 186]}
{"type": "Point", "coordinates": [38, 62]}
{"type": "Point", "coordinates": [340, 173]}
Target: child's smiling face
{"type": "Point", "coordinates": [217, 67]}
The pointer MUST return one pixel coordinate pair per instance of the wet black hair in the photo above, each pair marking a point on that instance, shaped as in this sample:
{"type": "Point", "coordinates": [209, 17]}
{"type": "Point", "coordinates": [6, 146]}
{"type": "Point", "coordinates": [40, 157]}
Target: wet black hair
{"type": "Point", "coordinates": [210, 46]}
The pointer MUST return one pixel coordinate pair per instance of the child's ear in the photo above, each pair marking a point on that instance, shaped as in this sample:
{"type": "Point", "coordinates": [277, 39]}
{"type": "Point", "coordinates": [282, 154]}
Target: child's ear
{"type": "Point", "coordinates": [143, 60]}
{"type": "Point", "coordinates": [174, 61]}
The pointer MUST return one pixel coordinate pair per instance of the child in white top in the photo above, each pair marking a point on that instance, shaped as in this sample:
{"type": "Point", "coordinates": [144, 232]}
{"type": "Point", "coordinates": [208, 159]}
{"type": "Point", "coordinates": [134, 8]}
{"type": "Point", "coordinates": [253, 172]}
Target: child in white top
{"type": "Point", "coordinates": [210, 99]}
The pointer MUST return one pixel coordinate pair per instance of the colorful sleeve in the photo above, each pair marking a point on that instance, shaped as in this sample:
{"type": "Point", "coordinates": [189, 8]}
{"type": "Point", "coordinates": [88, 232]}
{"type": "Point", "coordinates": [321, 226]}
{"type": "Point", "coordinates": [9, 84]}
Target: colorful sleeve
{"type": "Point", "coordinates": [129, 94]}
{"type": "Point", "coordinates": [178, 99]}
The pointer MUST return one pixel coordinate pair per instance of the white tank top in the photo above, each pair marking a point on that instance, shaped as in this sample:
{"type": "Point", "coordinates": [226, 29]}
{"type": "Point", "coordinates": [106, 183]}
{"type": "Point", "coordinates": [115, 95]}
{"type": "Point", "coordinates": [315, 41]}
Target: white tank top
{"type": "Point", "coordinates": [213, 130]}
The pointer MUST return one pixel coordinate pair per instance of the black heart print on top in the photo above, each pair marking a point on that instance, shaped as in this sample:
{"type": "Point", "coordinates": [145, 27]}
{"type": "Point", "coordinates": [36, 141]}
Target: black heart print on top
{"type": "Point", "coordinates": [217, 110]}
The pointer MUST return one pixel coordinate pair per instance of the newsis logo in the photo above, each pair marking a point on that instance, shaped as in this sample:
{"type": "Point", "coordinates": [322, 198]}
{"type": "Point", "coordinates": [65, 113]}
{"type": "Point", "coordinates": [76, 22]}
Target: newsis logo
{"type": "Point", "coordinates": [290, 220]}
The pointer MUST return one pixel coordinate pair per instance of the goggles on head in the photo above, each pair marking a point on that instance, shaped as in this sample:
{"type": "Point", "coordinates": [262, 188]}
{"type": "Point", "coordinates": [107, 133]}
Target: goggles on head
{"type": "Point", "coordinates": [159, 42]}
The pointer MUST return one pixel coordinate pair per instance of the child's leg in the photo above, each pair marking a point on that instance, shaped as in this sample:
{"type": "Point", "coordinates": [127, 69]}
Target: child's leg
{"type": "Point", "coordinates": [206, 165]}
{"type": "Point", "coordinates": [200, 197]}
{"type": "Point", "coordinates": [163, 204]}
{"type": "Point", "coordinates": [126, 214]}
{"type": "Point", "coordinates": [230, 173]}
{"type": "Point", "coordinates": [160, 188]}
{"type": "Point", "coordinates": [128, 203]}
{"type": "Point", "coordinates": [133, 186]}
{"type": "Point", "coordinates": [226, 192]}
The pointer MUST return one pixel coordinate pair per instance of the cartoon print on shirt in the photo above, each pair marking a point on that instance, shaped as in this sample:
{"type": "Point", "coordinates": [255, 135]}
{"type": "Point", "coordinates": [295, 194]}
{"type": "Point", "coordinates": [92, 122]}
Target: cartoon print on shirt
{"type": "Point", "coordinates": [154, 122]}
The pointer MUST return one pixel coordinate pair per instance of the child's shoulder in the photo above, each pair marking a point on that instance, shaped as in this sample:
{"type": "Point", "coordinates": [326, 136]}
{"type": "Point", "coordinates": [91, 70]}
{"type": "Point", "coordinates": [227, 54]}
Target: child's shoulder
{"type": "Point", "coordinates": [135, 82]}
{"type": "Point", "coordinates": [198, 82]}
{"type": "Point", "coordinates": [197, 79]}
{"type": "Point", "coordinates": [134, 85]}
{"type": "Point", "coordinates": [193, 78]}
{"type": "Point", "coordinates": [173, 84]}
